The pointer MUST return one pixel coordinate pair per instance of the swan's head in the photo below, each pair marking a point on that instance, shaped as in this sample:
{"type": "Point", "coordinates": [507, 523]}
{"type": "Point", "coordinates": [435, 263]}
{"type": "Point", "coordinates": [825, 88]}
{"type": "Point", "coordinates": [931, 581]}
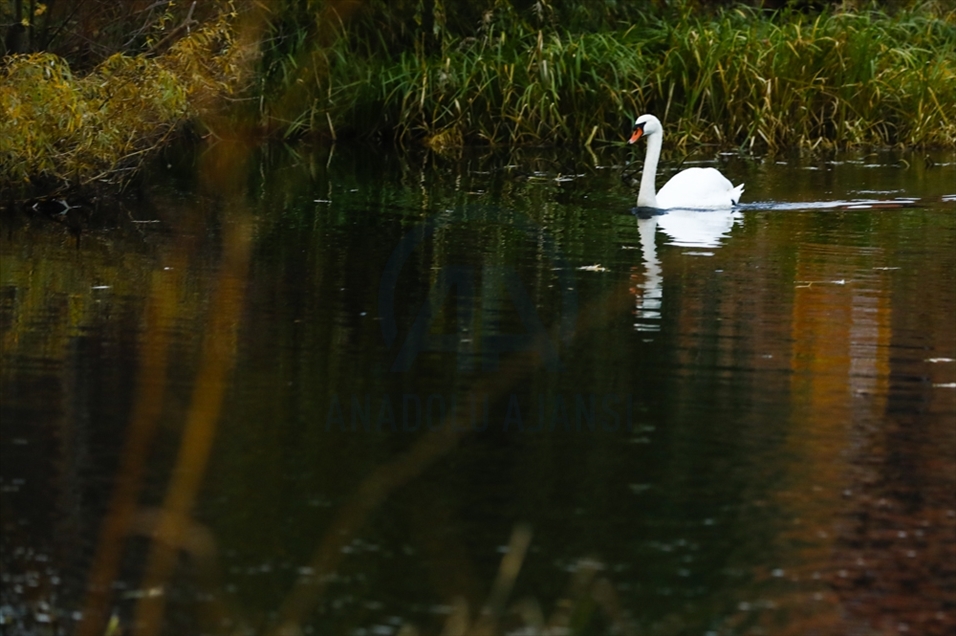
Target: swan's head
{"type": "Point", "coordinates": [645, 126]}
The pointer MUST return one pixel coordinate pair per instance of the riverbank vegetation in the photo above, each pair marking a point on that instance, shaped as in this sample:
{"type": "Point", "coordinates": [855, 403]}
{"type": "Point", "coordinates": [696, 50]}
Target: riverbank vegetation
{"type": "Point", "coordinates": [451, 72]}
{"type": "Point", "coordinates": [737, 77]}
{"type": "Point", "coordinates": [62, 129]}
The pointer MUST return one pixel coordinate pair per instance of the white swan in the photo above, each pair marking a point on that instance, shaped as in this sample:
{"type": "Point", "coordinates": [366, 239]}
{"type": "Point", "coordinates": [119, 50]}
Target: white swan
{"type": "Point", "coordinates": [694, 188]}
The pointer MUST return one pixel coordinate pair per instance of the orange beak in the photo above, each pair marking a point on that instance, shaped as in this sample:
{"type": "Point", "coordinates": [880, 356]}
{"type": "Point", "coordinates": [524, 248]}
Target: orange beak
{"type": "Point", "coordinates": [637, 135]}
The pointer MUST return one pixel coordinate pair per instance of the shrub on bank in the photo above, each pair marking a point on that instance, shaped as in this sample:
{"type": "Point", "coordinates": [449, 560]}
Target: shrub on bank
{"type": "Point", "coordinates": [67, 130]}
{"type": "Point", "coordinates": [73, 129]}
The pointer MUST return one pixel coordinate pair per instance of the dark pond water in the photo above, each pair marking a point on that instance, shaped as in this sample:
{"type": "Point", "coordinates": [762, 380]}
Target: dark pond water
{"type": "Point", "coordinates": [348, 391]}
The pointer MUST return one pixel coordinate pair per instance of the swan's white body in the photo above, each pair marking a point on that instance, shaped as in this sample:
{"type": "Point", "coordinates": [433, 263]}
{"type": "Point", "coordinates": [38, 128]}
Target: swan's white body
{"type": "Point", "coordinates": [694, 188]}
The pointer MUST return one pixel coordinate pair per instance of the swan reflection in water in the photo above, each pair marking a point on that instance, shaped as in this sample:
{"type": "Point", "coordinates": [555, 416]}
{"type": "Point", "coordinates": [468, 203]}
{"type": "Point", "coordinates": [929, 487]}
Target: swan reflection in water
{"type": "Point", "coordinates": [704, 229]}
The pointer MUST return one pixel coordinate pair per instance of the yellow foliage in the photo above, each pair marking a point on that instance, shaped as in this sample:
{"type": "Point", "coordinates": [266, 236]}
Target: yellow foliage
{"type": "Point", "coordinates": [72, 130]}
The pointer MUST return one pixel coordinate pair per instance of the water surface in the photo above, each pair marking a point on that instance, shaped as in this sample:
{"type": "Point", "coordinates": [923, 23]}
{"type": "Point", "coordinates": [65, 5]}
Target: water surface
{"type": "Point", "coordinates": [342, 387]}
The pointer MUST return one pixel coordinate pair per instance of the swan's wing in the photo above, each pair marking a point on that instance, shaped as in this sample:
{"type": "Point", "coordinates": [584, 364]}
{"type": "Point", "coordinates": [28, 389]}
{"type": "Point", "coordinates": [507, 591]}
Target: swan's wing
{"type": "Point", "coordinates": [698, 188]}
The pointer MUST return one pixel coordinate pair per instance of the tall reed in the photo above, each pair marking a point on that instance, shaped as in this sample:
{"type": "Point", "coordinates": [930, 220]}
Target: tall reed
{"type": "Point", "coordinates": [737, 78]}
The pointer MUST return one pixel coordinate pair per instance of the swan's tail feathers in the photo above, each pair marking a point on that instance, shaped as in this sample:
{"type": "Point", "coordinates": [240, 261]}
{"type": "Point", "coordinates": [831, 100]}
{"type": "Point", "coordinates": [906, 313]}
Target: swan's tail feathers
{"type": "Point", "coordinates": [735, 194]}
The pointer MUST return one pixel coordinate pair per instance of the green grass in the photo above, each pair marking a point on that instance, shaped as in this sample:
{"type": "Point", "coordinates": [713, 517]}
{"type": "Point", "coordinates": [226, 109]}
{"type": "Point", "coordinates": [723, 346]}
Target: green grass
{"type": "Point", "coordinates": [738, 78]}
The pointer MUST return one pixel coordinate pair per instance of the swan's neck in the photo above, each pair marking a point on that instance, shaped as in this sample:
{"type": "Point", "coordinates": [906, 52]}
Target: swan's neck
{"type": "Point", "coordinates": [647, 196]}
